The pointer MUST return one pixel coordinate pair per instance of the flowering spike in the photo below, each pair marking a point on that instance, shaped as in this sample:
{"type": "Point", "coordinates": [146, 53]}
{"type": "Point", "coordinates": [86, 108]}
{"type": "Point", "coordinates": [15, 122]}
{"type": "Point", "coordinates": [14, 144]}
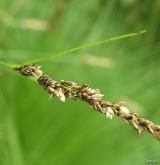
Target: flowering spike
{"type": "Point", "coordinates": [92, 96]}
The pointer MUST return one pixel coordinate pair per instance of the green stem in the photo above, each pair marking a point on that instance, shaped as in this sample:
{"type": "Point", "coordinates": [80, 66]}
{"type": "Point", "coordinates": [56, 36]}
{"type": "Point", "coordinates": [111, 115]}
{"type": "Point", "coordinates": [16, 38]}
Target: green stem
{"type": "Point", "coordinates": [6, 65]}
{"type": "Point", "coordinates": [64, 52]}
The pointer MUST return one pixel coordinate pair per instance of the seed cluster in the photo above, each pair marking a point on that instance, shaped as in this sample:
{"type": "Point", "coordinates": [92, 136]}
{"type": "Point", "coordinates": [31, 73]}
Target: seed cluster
{"type": "Point", "coordinates": [69, 89]}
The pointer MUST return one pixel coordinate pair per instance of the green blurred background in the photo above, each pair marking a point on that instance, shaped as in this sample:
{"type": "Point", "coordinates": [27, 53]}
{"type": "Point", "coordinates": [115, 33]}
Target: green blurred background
{"type": "Point", "coordinates": [35, 131]}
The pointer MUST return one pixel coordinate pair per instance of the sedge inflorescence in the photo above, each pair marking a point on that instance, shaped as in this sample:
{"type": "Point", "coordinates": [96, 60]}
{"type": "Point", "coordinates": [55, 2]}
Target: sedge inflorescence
{"type": "Point", "coordinates": [69, 89]}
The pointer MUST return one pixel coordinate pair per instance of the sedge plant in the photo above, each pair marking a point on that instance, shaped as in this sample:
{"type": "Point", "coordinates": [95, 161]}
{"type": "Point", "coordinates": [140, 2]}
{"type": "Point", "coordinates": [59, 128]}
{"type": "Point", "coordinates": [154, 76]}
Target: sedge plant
{"type": "Point", "coordinates": [68, 89]}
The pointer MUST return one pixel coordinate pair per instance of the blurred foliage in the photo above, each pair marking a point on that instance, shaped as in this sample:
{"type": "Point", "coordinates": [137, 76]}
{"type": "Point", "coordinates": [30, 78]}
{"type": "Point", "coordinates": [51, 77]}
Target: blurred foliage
{"type": "Point", "coordinates": [35, 131]}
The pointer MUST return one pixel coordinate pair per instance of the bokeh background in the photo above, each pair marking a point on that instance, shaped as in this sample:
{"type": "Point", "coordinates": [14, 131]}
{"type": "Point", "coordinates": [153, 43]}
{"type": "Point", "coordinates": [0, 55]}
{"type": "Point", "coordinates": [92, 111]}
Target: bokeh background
{"type": "Point", "coordinates": [36, 131]}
